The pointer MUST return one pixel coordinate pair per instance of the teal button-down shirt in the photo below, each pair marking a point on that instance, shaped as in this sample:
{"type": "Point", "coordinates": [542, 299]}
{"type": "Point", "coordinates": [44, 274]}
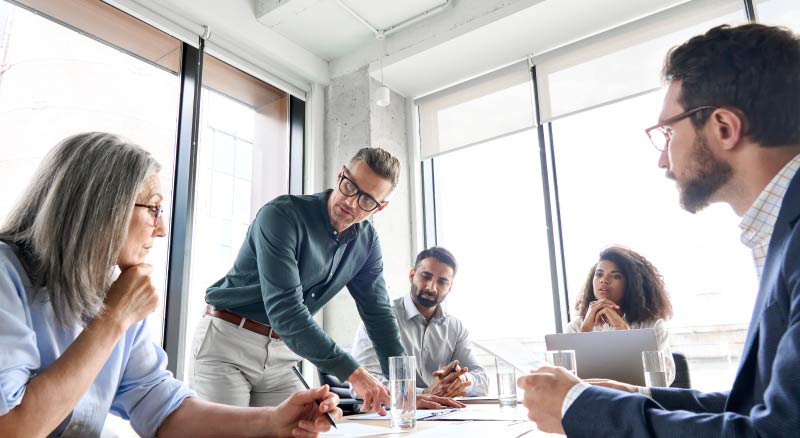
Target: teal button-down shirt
{"type": "Point", "coordinates": [292, 263]}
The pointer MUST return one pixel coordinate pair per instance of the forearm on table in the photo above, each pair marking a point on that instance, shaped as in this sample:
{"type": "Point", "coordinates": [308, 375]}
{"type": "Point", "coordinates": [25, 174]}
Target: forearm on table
{"type": "Point", "coordinates": [199, 418]}
{"type": "Point", "coordinates": [53, 393]}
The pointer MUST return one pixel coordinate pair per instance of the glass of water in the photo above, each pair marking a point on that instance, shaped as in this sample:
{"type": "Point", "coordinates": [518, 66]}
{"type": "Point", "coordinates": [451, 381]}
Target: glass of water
{"type": "Point", "coordinates": [655, 369]}
{"type": "Point", "coordinates": [506, 383]}
{"type": "Point", "coordinates": [562, 358]}
{"type": "Point", "coordinates": [402, 391]}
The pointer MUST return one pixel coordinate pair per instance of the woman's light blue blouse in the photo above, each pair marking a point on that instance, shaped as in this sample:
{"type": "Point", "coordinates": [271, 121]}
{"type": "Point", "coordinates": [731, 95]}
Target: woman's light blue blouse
{"type": "Point", "coordinates": [133, 384]}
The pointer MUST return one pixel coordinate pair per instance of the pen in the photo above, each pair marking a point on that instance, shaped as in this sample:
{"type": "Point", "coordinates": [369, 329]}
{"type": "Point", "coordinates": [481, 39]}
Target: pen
{"type": "Point", "coordinates": [303, 381]}
{"type": "Point", "coordinates": [451, 370]}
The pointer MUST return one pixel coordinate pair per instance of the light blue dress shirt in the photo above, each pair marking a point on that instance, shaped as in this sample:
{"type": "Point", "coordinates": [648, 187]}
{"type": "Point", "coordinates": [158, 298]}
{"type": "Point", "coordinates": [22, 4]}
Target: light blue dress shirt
{"type": "Point", "coordinates": [133, 384]}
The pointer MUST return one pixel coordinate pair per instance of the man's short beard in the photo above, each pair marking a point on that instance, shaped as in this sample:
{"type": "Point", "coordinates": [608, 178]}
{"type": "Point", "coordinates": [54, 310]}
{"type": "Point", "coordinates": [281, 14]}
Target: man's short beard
{"type": "Point", "coordinates": [712, 174]}
{"type": "Point", "coordinates": [422, 301]}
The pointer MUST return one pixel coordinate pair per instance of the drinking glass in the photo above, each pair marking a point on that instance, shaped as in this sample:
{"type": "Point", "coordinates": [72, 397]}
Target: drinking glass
{"type": "Point", "coordinates": [402, 391]}
{"type": "Point", "coordinates": [506, 383]}
{"type": "Point", "coordinates": [655, 369]}
{"type": "Point", "coordinates": [562, 358]}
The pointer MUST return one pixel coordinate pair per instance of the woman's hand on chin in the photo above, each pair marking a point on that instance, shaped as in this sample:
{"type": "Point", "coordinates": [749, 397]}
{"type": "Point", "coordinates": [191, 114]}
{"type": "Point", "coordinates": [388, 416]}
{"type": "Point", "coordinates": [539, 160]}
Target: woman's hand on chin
{"type": "Point", "coordinates": [131, 297]}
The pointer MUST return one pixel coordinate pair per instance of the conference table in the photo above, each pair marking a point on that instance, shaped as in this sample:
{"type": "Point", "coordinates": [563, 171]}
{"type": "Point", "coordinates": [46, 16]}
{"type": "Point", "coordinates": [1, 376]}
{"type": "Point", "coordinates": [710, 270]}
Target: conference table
{"type": "Point", "coordinates": [478, 420]}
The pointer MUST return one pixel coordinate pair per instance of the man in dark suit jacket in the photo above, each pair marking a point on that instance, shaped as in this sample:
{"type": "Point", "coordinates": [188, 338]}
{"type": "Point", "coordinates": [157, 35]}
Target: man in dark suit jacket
{"type": "Point", "coordinates": [729, 131]}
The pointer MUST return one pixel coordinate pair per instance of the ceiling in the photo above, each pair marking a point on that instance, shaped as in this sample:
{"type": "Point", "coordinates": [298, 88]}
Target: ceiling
{"type": "Point", "coordinates": [531, 31]}
{"type": "Point", "coordinates": [327, 29]}
{"type": "Point", "coordinates": [315, 40]}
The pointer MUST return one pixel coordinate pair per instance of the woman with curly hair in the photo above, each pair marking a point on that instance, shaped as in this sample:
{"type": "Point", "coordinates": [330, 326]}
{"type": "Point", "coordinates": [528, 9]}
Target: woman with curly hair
{"type": "Point", "coordinates": [625, 291]}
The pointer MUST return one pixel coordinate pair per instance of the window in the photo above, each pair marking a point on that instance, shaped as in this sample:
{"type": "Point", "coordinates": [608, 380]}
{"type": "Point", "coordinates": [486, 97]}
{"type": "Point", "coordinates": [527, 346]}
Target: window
{"type": "Point", "coordinates": [596, 95]}
{"type": "Point", "coordinates": [243, 163]}
{"type": "Point", "coordinates": [710, 275]}
{"type": "Point", "coordinates": [56, 82]}
{"type": "Point", "coordinates": [490, 216]}
{"type": "Point", "coordinates": [489, 213]}
{"type": "Point", "coordinates": [489, 210]}
{"type": "Point", "coordinates": [611, 191]}
{"type": "Point", "coordinates": [779, 13]}
{"type": "Point", "coordinates": [117, 75]}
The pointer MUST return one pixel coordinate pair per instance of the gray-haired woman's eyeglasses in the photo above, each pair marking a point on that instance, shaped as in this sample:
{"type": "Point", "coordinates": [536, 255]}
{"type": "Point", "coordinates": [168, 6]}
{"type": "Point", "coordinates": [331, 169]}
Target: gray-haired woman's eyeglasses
{"type": "Point", "coordinates": [157, 210]}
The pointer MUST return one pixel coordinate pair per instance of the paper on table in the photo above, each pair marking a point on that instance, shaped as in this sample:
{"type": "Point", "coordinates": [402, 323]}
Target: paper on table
{"type": "Point", "coordinates": [479, 428]}
{"type": "Point", "coordinates": [349, 429]}
{"type": "Point", "coordinates": [474, 413]}
{"type": "Point", "coordinates": [422, 414]}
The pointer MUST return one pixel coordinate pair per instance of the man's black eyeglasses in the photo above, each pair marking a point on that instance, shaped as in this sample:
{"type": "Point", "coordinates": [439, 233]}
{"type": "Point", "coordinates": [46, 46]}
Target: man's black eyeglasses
{"type": "Point", "coordinates": [350, 189]}
{"type": "Point", "coordinates": [157, 210]}
{"type": "Point", "coordinates": [661, 134]}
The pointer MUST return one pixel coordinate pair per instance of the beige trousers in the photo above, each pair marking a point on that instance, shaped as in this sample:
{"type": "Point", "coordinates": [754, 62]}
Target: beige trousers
{"type": "Point", "coordinates": [238, 367]}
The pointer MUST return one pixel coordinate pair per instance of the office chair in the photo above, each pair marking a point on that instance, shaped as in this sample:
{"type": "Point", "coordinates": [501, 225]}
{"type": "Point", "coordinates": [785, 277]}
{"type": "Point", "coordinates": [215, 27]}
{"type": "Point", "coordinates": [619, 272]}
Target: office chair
{"type": "Point", "coordinates": [348, 404]}
{"type": "Point", "coordinates": [682, 379]}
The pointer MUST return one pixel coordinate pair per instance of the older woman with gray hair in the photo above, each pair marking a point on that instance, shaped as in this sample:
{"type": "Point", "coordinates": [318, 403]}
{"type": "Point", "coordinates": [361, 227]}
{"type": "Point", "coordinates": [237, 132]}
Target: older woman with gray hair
{"type": "Point", "coordinates": [73, 340]}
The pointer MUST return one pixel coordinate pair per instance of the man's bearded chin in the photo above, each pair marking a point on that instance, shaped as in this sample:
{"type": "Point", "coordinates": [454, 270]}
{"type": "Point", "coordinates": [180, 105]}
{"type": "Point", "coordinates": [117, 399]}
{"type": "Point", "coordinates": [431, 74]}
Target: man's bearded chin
{"type": "Point", "coordinates": [422, 300]}
{"type": "Point", "coordinates": [711, 175]}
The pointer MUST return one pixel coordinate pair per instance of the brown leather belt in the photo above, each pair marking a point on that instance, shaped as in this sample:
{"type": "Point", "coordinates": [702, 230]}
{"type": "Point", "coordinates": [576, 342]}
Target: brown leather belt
{"type": "Point", "coordinates": [255, 327]}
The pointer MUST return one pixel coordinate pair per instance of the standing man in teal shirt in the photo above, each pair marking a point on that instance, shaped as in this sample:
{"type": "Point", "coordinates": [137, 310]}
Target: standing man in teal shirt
{"type": "Point", "coordinates": [299, 252]}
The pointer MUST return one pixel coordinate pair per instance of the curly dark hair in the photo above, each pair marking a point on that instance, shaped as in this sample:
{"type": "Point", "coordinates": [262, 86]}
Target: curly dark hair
{"type": "Point", "coordinates": [645, 297]}
{"type": "Point", "coordinates": [752, 68]}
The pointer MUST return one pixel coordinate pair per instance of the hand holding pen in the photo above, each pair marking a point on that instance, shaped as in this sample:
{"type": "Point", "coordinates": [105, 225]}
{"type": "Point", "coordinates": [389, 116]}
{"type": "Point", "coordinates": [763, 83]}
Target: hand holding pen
{"type": "Point", "coordinates": [305, 384]}
{"type": "Point", "coordinates": [450, 381]}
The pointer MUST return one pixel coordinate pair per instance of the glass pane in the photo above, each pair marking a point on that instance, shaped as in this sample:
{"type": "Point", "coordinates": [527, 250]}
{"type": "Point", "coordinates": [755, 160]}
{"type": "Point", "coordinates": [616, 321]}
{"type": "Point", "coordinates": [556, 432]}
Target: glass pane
{"type": "Point", "coordinates": [779, 13]}
{"type": "Point", "coordinates": [57, 82]}
{"type": "Point", "coordinates": [708, 272]}
{"type": "Point", "coordinates": [243, 162]}
{"type": "Point", "coordinates": [490, 215]}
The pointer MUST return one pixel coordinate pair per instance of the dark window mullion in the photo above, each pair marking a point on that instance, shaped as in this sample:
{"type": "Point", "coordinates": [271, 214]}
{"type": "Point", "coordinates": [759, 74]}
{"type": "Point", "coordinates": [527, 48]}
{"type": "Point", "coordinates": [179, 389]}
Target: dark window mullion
{"type": "Point", "coordinates": [552, 213]}
{"type": "Point", "coordinates": [297, 121]}
{"type": "Point", "coordinates": [750, 11]}
{"type": "Point", "coordinates": [183, 192]}
{"type": "Point", "coordinates": [557, 230]}
{"type": "Point", "coordinates": [428, 203]}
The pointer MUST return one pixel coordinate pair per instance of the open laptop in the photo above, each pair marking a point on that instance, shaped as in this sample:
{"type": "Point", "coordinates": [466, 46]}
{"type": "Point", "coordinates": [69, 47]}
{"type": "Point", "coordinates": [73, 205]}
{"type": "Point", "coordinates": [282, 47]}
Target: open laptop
{"type": "Point", "coordinates": [613, 354]}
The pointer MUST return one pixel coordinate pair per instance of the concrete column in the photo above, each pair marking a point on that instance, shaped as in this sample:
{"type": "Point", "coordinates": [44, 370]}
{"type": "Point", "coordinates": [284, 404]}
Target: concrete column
{"type": "Point", "coordinates": [353, 121]}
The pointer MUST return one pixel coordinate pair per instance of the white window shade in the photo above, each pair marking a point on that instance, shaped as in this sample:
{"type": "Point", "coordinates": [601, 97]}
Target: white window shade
{"type": "Point", "coordinates": [625, 61]}
{"type": "Point", "coordinates": [485, 108]}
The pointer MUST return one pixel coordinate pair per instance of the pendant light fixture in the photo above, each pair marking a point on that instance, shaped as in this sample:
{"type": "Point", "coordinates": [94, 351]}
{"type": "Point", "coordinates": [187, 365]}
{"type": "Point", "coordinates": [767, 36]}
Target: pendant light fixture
{"type": "Point", "coordinates": [383, 95]}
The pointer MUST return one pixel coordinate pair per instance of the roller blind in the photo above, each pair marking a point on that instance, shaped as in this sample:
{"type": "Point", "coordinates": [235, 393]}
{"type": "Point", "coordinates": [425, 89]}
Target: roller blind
{"type": "Point", "coordinates": [625, 61]}
{"type": "Point", "coordinates": [477, 110]}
